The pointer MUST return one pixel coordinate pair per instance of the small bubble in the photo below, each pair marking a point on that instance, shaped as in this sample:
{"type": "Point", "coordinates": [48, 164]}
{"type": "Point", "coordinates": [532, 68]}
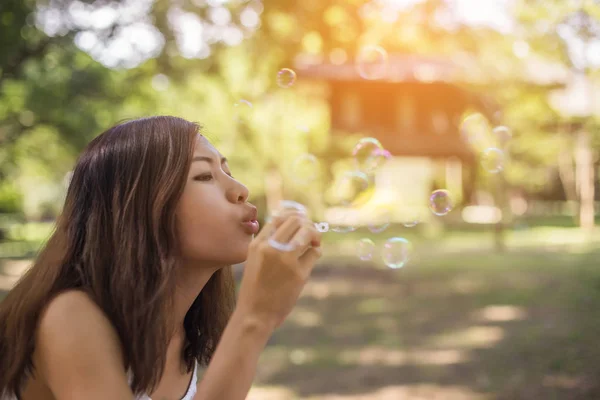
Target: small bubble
{"type": "Point", "coordinates": [502, 134]}
{"type": "Point", "coordinates": [305, 169]}
{"type": "Point", "coordinates": [242, 109]}
{"type": "Point", "coordinates": [286, 78]}
{"type": "Point", "coordinates": [369, 155]}
{"type": "Point", "coordinates": [378, 228]}
{"type": "Point", "coordinates": [381, 223]}
{"type": "Point", "coordinates": [293, 205]}
{"type": "Point", "coordinates": [372, 62]}
{"type": "Point", "coordinates": [342, 222]}
{"type": "Point", "coordinates": [322, 227]}
{"type": "Point", "coordinates": [492, 160]}
{"type": "Point", "coordinates": [440, 202]}
{"type": "Point", "coordinates": [342, 228]}
{"type": "Point", "coordinates": [475, 129]}
{"type": "Point", "coordinates": [396, 252]}
{"type": "Point", "coordinates": [365, 249]}
{"type": "Point", "coordinates": [351, 187]}
{"type": "Point", "coordinates": [411, 223]}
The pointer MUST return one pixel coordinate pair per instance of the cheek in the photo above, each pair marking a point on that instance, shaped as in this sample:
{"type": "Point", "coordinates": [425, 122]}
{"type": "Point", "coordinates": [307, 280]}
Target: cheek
{"type": "Point", "coordinates": [208, 233]}
{"type": "Point", "coordinates": [194, 224]}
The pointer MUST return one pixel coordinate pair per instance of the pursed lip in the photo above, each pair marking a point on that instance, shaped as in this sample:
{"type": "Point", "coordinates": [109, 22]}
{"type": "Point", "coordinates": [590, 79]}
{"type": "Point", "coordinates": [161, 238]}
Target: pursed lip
{"type": "Point", "coordinates": [251, 214]}
{"type": "Point", "coordinates": [250, 223]}
{"type": "Point", "coordinates": [251, 227]}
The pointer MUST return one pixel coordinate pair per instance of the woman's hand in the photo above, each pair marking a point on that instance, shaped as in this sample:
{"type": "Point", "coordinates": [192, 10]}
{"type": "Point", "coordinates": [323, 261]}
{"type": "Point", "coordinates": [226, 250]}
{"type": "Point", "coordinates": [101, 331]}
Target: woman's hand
{"type": "Point", "coordinates": [273, 279]}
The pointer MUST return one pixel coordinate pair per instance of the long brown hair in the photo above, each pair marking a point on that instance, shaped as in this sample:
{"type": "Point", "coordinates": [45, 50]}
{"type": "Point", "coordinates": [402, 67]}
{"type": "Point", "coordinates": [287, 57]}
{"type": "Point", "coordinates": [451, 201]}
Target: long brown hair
{"type": "Point", "coordinates": [116, 239]}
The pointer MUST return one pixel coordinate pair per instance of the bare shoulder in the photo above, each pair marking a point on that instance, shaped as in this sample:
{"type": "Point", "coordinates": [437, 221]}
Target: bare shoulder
{"type": "Point", "coordinates": [72, 317]}
{"type": "Point", "coordinates": [75, 334]}
{"type": "Point", "coordinates": [63, 306]}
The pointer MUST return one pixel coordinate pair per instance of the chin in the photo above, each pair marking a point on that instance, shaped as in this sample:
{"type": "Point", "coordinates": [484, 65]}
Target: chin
{"type": "Point", "coordinates": [239, 259]}
{"type": "Point", "coordinates": [226, 251]}
{"type": "Point", "coordinates": [235, 256]}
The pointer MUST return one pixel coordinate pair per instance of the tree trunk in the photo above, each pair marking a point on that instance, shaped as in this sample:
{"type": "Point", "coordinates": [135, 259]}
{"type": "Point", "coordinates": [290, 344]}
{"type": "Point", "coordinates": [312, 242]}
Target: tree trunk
{"type": "Point", "coordinates": [568, 180]}
{"type": "Point", "coordinates": [500, 200]}
{"type": "Point", "coordinates": [585, 177]}
{"type": "Point", "coordinates": [567, 175]}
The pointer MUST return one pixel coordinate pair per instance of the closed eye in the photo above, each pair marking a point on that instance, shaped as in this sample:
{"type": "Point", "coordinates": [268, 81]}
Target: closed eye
{"type": "Point", "coordinates": [209, 177]}
{"type": "Point", "coordinates": [204, 177]}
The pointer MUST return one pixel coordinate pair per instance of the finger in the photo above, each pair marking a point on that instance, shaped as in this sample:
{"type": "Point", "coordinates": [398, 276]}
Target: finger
{"type": "Point", "coordinates": [310, 257]}
{"type": "Point", "coordinates": [273, 224]}
{"type": "Point", "coordinates": [288, 229]}
{"type": "Point", "coordinates": [305, 237]}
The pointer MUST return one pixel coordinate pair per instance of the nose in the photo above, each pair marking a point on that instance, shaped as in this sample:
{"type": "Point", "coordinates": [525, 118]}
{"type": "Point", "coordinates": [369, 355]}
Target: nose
{"type": "Point", "coordinates": [237, 193]}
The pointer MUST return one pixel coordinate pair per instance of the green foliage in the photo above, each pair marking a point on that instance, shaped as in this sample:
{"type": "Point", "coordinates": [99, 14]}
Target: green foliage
{"type": "Point", "coordinates": [54, 97]}
{"type": "Point", "coordinates": [10, 198]}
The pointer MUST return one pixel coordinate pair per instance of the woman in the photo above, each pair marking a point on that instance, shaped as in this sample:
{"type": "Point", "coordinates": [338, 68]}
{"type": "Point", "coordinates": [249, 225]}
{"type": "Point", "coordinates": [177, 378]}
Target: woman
{"type": "Point", "coordinates": [134, 289]}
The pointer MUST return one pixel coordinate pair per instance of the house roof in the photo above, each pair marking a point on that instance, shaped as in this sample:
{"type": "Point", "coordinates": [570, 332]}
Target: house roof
{"type": "Point", "coordinates": [460, 69]}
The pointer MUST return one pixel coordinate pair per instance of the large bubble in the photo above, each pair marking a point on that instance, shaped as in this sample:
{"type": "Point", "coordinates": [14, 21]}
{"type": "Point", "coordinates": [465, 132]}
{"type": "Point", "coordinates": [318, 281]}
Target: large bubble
{"type": "Point", "coordinates": [372, 62]}
{"type": "Point", "coordinates": [365, 249]}
{"type": "Point", "coordinates": [369, 155]}
{"type": "Point", "coordinates": [396, 252]}
{"type": "Point", "coordinates": [305, 169]}
{"type": "Point", "coordinates": [350, 188]}
{"type": "Point", "coordinates": [492, 160]}
{"type": "Point", "coordinates": [475, 129]}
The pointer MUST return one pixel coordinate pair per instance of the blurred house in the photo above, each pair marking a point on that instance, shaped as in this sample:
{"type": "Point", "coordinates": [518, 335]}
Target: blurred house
{"type": "Point", "coordinates": [414, 107]}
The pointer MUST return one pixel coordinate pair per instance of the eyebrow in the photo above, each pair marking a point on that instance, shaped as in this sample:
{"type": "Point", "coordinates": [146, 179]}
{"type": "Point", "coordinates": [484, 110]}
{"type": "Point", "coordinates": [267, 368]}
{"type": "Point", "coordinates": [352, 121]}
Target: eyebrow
{"type": "Point", "coordinates": [208, 159]}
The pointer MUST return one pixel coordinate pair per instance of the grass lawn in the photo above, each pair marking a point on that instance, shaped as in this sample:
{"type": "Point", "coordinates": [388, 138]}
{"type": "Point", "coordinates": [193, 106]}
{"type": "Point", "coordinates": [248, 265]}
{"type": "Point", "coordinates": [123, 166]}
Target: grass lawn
{"type": "Point", "coordinates": [466, 325]}
{"type": "Point", "coordinates": [458, 322]}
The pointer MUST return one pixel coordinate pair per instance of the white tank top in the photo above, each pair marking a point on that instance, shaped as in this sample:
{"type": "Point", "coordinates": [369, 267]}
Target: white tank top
{"type": "Point", "coordinates": [189, 395]}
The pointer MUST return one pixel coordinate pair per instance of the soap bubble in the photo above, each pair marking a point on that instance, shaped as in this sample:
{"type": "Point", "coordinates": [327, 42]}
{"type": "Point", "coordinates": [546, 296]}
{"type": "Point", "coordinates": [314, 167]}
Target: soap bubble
{"type": "Point", "coordinates": [475, 129]}
{"type": "Point", "coordinates": [372, 62]}
{"type": "Point", "coordinates": [378, 228]}
{"type": "Point", "coordinates": [492, 160]}
{"type": "Point", "coordinates": [342, 228]}
{"type": "Point", "coordinates": [411, 223]}
{"type": "Point", "coordinates": [381, 222]}
{"type": "Point", "coordinates": [396, 252]}
{"type": "Point", "coordinates": [286, 77]}
{"type": "Point", "coordinates": [305, 168]}
{"type": "Point", "coordinates": [242, 109]}
{"type": "Point", "coordinates": [287, 205]}
{"type": "Point", "coordinates": [322, 227]}
{"type": "Point", "coordinates": [350, 188]}
{"type": "Point", "coordinates": [292, 205]}
{"type": "Point", "coordinates": [502, 134]}
{"type": "Point", "coordinates": [365, 249]}
{"type": "Point", "coordinates": [440, 202]}
{"type": "Point", "coordinates": [342, 221]}
{"type": "Point", "coordinates": [369, 154]}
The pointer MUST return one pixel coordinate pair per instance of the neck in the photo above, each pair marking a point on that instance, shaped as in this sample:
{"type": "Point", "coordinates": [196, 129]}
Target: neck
{"type": "Point", "coordinates": [190, 282]}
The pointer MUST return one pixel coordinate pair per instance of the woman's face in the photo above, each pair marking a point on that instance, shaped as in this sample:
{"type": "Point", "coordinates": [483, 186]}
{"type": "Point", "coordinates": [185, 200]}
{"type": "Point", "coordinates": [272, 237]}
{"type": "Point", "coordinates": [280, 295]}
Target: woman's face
{"type": "Point", "coordinates": [215, 221]}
